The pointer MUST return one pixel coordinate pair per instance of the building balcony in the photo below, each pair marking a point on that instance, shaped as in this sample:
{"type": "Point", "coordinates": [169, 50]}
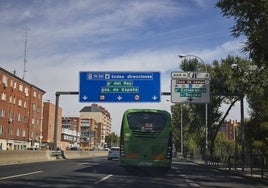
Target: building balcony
{"type": "Point", "coordinates": [70, 132]}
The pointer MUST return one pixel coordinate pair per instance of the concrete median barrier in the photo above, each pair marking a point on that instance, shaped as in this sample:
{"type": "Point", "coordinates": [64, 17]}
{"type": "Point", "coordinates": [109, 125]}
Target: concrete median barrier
{"type": "Point", "coordinates": [69, 154]}
{"type": "Point", "coordinates": [22, 156]}
{"type": "Point", "coordinates": [28, 156]}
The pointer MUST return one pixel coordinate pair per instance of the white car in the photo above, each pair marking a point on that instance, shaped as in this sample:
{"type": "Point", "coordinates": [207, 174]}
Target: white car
{"type": "Point", "coordinates": [113, 153]}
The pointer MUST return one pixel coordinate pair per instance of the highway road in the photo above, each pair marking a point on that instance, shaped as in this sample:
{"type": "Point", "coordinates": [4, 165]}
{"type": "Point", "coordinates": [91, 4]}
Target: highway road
{"type": "Point", "coordinates": [100, 172]}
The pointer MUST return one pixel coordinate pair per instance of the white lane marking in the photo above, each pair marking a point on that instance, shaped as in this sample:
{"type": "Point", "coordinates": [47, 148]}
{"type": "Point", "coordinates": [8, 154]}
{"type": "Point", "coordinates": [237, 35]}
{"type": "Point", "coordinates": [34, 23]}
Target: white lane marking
{"type": "Point", "coordinates": [19, 175]}
{"type": "Point", "coordinates": [103, 179]}
{"type": "Point", "coordinates": [194, 185]}
{"type": "Point", "coordinates": [79, 164]}
{"type": "Point", "coordinates": [191, 182]}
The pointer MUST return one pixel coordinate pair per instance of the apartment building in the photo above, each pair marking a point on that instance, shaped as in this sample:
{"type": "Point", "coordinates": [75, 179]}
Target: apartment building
{"type": "Point", "coordinates": [48, 127]}
{"type": "Point", "coordinates": [99, 119]}
{"type": "Point", "coordinates": [229, 128]}
{"type": "Point", "coordinates": [89, 134]}
{"type": "Point", "coordinates": [70, 132]}
{"type": "Point", "coordinates": [20, 113]}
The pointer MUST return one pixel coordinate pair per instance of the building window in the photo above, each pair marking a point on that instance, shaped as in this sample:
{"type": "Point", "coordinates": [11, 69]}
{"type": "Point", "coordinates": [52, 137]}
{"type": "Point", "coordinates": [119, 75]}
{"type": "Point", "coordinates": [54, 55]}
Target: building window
{"type": "Point", "coordinates": [2, 112]}
{"type": "Point", "coordinates": [20, 102]}
{"type": "Point", "coordinates": [25, 104]}
{"type": "Point", "coordinates": [3, 96]}
{"type": "Point", "coordinates": [19, 117]}
{"type": "Point", "coordinates": [15, 85]}
{"type": "Point", "coordinates": [23, 133]}
{"type": "Point", "coordinates": [24, 119]}
{"type": "Point", "coordinates": [34, 107]}
{"type": "Point", "coordinates": [26, 91]}
{"type": "Point", "coordinates": [18, 132]}
{"type": "Point", "coordinates": [34, 94]}
{"type": "Point", "coordinates": [11, 83]}
{"type": "Point", "coordinates": [4, 80]}
{"type": "Point", "coordinates": [1, 129]}
{"type": "Point", "coordinates": [10, 131]}
{"type": "Point", "coordinates": [21, 87]}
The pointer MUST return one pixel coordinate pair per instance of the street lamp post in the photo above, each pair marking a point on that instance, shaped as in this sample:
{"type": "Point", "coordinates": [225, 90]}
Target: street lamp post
{"type": "Point", "coordinates": [206, 115]}
{"type": "Point", "coordinates": [181, 133]}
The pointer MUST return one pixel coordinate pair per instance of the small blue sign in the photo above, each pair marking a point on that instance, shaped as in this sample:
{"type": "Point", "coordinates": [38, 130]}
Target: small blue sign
{"type": "Point", "coordinates": [119, 87]}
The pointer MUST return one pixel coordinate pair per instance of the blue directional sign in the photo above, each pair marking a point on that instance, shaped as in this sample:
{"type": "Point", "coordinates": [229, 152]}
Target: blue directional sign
{"type": "Point", "coordinates": [119, 87]}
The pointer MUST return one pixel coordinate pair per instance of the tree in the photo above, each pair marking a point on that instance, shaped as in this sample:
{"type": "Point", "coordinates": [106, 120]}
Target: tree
{"type": "Point", "coordinates": [224, 147]}
{"type": "Point", "coordinates": [231, 80]}
{"type": "Point", "coordinates": [251, 20]}
{"type": "Point", "coordinates": [226, 84]}
{"type": "Point", "coordinates": [112, 140]}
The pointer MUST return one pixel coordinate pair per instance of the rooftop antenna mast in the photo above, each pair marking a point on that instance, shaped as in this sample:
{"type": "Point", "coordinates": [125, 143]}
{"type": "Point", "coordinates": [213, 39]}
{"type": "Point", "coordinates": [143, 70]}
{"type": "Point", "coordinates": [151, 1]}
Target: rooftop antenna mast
{"type": "Point", "coordinates": [25, 52]}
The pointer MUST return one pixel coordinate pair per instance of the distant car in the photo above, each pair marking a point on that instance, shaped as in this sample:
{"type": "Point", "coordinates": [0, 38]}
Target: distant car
{"type": "Point", "coordinates": [113, 153]}
{"type": "Point", "coordinates": [32, 148]}
{"type": "Point", "coordinates": [75, 148]}
{"type": "Point", "coordinates": [94, 149]}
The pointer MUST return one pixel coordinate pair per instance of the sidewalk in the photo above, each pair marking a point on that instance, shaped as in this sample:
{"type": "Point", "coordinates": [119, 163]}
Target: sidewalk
{"type": "Point", "coordinates": [255, 174]}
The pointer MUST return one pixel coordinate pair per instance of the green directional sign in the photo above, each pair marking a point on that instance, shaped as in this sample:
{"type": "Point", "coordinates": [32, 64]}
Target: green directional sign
{"type": "Point", "coordinates": [189, 87]}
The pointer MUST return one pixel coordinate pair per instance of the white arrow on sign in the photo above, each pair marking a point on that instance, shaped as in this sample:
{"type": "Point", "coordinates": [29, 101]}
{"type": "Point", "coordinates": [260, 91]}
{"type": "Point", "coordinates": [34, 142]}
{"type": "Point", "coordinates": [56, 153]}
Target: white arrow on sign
{"type": "Point", "coordinates": [119, 98]}
{"type": "Point", "coordinates": [84, 97]}
{"type": "Point", "coordinates": [154, 97]}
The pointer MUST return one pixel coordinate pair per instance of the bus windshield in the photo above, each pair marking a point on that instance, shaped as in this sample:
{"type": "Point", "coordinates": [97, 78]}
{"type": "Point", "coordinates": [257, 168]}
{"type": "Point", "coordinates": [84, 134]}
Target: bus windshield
{"type": "Point", "coordinates": [146, 121]}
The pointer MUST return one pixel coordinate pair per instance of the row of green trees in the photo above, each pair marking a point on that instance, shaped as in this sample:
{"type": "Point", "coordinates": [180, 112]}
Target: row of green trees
{"type": "Point", "coordinates": [231, 79]}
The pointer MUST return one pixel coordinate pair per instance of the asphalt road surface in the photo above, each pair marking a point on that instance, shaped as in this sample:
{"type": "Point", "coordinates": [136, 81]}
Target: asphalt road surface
{"type": "Point", "coordinates": [100, 172]}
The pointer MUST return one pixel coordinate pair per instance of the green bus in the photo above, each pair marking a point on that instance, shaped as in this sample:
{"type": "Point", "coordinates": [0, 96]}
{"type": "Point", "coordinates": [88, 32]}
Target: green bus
{"type": "Point", "coordinates": [146, 138]}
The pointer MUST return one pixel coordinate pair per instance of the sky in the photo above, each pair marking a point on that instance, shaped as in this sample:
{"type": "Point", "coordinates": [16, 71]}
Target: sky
{"type": "Point", "coordinates": [65, 37]}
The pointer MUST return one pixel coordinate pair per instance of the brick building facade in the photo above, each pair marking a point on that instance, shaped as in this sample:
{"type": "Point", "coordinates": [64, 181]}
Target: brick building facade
{"type": "Point", "coordinates": [229, 129]}
{"type": "Point", "coordinates": [49, 125]}
{"type": "Point", "coordinates": [28, 122]}
{"type": "Point", "coordinates": [20, 113]}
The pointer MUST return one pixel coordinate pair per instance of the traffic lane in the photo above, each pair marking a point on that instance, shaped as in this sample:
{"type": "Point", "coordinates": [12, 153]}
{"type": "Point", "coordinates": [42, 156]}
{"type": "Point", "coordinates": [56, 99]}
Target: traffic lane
{"type": "Point", "coordinates": [100, 172]}
{"type": "Point", "coordinates": [87, 173]}
{"type": "Point", "coordinates": [13, 169]}
{"type": "Point", "coordinates": [117, 176]}
{"type": "Point", "coordinates": [64, 173]}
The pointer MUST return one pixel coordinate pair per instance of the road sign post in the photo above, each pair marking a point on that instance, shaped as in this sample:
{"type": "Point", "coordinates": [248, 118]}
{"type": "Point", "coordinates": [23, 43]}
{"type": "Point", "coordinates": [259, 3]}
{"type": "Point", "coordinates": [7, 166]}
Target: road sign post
{"type": "Point", "coordinates": [119, 87]}
{"type": "Point", "coordinates": [190, 87]}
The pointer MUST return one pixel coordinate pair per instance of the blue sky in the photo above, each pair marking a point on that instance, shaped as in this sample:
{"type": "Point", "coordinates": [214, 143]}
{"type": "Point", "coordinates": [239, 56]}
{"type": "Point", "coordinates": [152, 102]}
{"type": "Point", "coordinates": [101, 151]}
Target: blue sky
{"type": "Point", "coordinates": [67, 37]}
